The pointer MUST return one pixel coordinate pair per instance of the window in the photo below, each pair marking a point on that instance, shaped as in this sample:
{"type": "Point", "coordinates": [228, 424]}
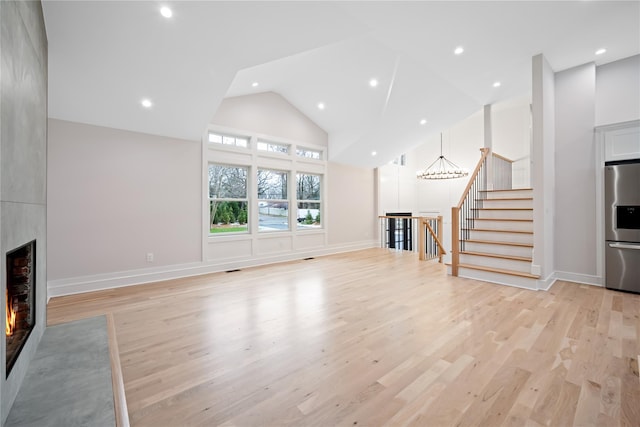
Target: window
{"type": "Point", "coordinates": [400, 161]}
{"type": "Point", "coordinates": [273, 147]}
{"type": "Point", "coordinates": [308, 200]}
{"type": "Point", "coordinates": [238, 141]}
{"type": "Point", "coordinates": [273, 205]}
{"type": "Point", "coordinates": [308, 153]}
{"type": "Point", "coordinates": [228, 203]}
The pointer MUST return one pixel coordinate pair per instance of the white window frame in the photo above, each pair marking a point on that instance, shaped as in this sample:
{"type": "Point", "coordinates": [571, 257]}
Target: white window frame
{"type": "Point", "coordinates": [254, 241]}
{"type": "Point", "coordinates": [246, 199]}
{"type": "Point", "coordinates": [303, 210]}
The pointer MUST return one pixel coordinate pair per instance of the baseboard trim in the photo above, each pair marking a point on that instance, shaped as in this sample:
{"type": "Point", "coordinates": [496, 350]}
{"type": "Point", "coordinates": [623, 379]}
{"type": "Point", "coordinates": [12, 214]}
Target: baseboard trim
{"type": "Point", "coordinates": [83, 284]}
{"type": "Point", "coordinates": [586, 279]}
{"type": "Point", "coordinates": [545, 284]}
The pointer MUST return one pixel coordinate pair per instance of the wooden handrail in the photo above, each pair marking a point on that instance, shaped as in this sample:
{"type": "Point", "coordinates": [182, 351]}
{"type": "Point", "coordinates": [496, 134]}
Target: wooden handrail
{"type": "Point", "coordinates": [405, 217]}
{"type": "Point", "coordinates": [435, 237]}
{"type": "Point", "coordinates": [423, 237]}
{"type": "Point", "coordinates": [502, 157]}
{"type": "Point", "coordinates": [455, 214]}
{"type": "Point", "coordinates": [485, 153]}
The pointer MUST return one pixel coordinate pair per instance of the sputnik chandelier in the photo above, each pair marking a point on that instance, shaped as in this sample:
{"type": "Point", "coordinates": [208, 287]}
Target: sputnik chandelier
{"type": "Point", "coordinates": [442, 168]}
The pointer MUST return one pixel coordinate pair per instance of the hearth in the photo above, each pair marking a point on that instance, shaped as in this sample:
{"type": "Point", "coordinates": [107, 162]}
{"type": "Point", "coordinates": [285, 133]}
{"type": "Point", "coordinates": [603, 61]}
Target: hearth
{"type": "Point", "coordinates": [20, 299]}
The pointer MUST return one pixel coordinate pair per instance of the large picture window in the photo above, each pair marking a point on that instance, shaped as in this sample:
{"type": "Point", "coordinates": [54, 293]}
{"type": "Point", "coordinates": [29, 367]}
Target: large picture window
{"type": "Point", "coordinates": [309, 200]}
{"type": "Point", "coordinates": [273, 204]}
{"type": "Point", "coordinates": [228, 202]}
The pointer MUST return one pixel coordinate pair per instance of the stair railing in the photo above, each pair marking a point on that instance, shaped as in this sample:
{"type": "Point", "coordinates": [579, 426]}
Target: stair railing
{"type": "Point", "coordinates": [431, 246]}
{"type": "Point", "coordinates": [397, 232]}
{"type": "Point", "coordinates": [463, 215]}
{"type": "Point", "coordinates": [502, 172]}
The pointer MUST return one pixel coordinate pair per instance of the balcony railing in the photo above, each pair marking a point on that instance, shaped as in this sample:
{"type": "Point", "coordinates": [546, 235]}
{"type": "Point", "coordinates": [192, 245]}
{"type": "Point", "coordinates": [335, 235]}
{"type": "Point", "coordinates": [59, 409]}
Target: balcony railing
{"type": "Point", "coordinates": [401, 232]}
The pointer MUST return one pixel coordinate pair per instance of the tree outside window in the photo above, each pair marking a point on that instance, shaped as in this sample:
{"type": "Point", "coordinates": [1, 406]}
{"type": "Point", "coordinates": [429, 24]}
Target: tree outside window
{"type": "Point", "coordinates": [309, 201]}
{"type": "Point", "coordinates": [273, 204]}
{"type": "Point", "coordinates": [228, 203]}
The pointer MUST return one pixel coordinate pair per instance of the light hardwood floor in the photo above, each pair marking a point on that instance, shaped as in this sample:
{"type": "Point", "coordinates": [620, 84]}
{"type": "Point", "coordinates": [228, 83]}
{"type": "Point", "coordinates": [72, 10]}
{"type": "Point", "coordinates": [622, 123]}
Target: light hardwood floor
{"type": "Point", "coordinates": [372, 337]}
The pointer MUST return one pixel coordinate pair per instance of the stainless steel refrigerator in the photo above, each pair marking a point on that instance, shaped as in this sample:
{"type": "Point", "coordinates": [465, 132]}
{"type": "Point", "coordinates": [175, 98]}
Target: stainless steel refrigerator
{"type": "Point", "coordinates": [622, 225]}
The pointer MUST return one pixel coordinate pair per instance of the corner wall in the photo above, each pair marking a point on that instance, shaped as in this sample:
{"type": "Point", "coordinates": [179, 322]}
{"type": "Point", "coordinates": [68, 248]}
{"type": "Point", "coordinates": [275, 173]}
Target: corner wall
{"type": "Point", "coordinates": [575, 194]}
{"type": "Point", "coordinates": [23, 148]}
{"type": "Point", "coordinates": [543, 168]}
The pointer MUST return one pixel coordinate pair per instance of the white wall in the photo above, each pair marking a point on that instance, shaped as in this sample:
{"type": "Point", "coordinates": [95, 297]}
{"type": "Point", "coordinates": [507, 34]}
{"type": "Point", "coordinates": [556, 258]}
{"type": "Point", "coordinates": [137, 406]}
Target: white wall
{"type": "Point", "coordinates": [511, 136]}
{"type": "Point", "coordinates": [543, 166]}
{"type": "Point", "coordinates": [511, 127]}
{"type": "Point", "coordinates": [270, 114]}
{"type": "Point", "coordinates": [115, 196]}
{"type": "Point", "coordinates": [575, 191]}
{"type": "Point", "coordinates": [618, 91]}
{"type": "Point", "coordinates": [352, 203]}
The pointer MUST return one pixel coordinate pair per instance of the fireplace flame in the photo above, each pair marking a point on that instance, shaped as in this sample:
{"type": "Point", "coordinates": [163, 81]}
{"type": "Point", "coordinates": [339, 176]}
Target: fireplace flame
{"type": "Point", "coordinates": [11, 318]}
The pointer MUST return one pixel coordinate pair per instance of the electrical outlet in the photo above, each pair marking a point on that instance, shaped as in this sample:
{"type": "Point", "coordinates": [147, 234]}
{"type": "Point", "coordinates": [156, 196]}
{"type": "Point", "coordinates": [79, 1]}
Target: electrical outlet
{"type": "Point", "coordinates": [149, 256]}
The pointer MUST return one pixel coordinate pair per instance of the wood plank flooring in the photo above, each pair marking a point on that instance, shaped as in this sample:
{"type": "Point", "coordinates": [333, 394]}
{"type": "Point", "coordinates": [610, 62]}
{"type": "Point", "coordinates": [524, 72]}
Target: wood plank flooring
{"type": "Point", "coordinates": [369, 338]}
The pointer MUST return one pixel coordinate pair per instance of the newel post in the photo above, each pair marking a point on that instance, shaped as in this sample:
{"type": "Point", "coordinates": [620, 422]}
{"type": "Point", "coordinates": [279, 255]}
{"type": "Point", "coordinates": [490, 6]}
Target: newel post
{"type": "Point", "coordinates": [455, 240]}
{"type": "Point", "coordinates": [440, 230]}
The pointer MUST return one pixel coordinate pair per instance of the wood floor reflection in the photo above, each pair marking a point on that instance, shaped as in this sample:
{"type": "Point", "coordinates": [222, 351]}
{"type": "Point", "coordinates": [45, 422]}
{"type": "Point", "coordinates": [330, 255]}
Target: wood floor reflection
{"type": "Point", "coordinates": [369, 338]}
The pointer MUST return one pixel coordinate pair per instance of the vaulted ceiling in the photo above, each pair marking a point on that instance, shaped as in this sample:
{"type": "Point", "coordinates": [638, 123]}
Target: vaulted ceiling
{"type": "Point", "coordinates": [105, 56]}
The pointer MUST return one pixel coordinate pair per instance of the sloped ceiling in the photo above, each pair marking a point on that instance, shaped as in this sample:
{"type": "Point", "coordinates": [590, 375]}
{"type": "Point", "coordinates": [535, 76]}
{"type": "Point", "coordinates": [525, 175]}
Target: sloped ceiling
{"type": "Point", "coordinates": [104, 57]}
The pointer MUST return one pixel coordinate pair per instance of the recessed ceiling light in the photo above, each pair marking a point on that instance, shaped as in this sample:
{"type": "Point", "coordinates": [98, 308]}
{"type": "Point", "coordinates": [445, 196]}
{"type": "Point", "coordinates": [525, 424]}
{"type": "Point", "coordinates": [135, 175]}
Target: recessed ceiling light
{"type": "Point", "coordinates": [600, 51]}
{"type": "Point", "coordinates": [254, 84]}
{"type": "Point", "coordinates": [458, 50]}
{"type": "Point", "coordinates": [497, 84]}
{"type": "Point", "coordinates": [166, 12]}
{"type": "Point", "coordinates": [373, 153]}
{"type": "Point", "coordinates": [373, 82]}
{"type": "Point", "coordinates": [423, 121]}
{"type": "Point", "coordinates": [321, 105]}
{"type": "Point", "coordinates": [146, 103]}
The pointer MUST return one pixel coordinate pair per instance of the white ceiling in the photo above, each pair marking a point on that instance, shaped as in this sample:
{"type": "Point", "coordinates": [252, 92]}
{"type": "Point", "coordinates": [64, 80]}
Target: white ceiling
{"type": "Point", "coordinates": [104, 57]}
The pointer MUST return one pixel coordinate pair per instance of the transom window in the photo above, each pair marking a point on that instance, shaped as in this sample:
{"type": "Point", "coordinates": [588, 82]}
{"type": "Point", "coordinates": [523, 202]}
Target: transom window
{"type": "Point", "coordinates": [238, 141]}
{"type": "Point", "coordinates": [273, 147]}
{"type": "Point", "coordinates": [309, 153]}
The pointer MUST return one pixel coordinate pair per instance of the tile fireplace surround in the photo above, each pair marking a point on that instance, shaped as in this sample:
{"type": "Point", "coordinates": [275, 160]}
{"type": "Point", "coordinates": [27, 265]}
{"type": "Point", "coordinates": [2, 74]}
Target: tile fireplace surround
{"type": "Point", "coordinates": [23, 167]}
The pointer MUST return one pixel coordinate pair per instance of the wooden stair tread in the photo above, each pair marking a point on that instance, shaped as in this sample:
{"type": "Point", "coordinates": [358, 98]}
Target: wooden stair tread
{"type": "Point", "coordinates": [491, 230]}
{"type": "Point", "coordinates": [499, 219]}
{"type": "Point", "coordinates": [511, 257]}
{"type": "Point", "coordinates": [493, 242]}
{"type": "Point", "coordinates": [499, 270]}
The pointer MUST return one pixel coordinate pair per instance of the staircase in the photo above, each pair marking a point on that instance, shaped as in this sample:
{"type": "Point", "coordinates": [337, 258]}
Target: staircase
{"type": "Point", "coordinates": [496, 242]}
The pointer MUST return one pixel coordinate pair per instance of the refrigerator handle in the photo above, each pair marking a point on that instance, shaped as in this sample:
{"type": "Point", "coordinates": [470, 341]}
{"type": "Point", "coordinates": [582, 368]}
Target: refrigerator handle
{"type": "Point", "coordinates": [624, 246]}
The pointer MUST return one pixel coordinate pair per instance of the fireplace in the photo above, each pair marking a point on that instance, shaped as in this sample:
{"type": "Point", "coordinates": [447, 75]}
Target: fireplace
{"type": "Point", "coordinates": [20, 299]}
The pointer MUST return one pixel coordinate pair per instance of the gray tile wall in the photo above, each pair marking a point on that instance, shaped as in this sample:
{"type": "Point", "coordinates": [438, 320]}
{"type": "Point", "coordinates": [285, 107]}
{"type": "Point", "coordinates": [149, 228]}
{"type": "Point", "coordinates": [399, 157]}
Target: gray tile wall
{"type": "Point", "coordinates": [23, 163]}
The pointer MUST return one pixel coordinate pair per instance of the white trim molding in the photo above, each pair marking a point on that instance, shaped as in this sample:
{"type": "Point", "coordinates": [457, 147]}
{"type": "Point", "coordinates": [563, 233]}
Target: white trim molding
{"type": "Point", "coordinates": [586, 279]}
{"type": "Point", "coordinates": [77, 285]}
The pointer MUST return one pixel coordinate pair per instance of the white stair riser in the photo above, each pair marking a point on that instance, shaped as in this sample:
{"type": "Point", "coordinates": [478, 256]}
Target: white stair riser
{"type": "Point", "coordinates": [508, 194]}
{"type": "Point", "coordinates": [501, 237]}
{"type": "Point", "coordinates": [497, 203]}
{"type": "Point", "coordinates": [506, 214]}
{"type": "Point", "coordinates": [499, 278]}
{"type": "Point", "coordinates": [503, 225]}
{"type": "Point", "coordinates": [499, 249]}
{"type": "Point", "coordinates": [501, 263]}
